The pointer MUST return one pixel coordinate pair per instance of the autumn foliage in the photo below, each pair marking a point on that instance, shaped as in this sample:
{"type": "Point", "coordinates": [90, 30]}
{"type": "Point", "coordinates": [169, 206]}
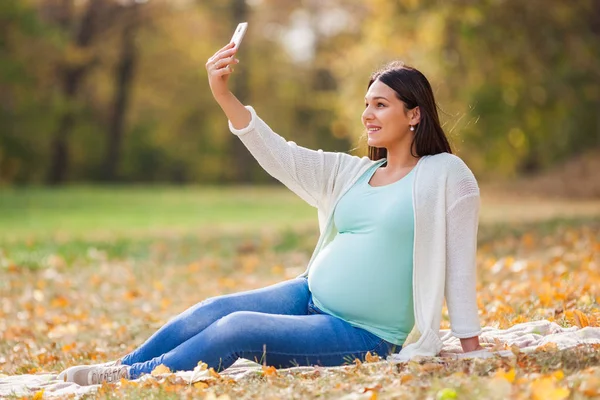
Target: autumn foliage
{"type": "Point", "coordinates": [113, 294]}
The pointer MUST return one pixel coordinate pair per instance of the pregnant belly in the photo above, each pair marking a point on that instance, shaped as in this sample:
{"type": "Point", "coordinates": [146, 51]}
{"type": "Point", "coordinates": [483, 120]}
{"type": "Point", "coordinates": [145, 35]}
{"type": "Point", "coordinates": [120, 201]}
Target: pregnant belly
{"type": "Point", "coordinates": [361, 281]}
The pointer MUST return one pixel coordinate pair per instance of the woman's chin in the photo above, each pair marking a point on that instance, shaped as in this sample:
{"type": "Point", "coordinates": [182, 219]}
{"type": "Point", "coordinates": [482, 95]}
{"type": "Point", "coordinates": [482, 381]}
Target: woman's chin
{"type": "Point", "coordinates": [373, 142]}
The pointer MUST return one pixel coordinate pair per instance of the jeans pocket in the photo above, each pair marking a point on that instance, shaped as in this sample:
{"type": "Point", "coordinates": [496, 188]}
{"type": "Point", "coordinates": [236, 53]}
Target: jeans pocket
{"type": "Point", "coordinates": [312, 309]}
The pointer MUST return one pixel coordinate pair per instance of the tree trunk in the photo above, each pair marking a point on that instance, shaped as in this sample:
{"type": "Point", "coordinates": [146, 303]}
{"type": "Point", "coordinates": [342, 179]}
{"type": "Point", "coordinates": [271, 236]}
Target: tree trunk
{"type": "Point", "coordinates": [71, 76]}
{"type": "Point", "coordinates": [124, 74]}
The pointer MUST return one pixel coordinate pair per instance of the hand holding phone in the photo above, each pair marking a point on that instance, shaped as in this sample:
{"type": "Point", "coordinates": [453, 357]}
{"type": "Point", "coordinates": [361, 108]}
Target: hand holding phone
{"type": "Point", "coordinates": [220, 65]}
{"type": "Point", "coordinates": [239, 33]}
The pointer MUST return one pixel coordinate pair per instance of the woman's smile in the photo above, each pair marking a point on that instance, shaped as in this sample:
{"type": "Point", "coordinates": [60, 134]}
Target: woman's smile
{"type": "Point", "coordinates": [373, 129]}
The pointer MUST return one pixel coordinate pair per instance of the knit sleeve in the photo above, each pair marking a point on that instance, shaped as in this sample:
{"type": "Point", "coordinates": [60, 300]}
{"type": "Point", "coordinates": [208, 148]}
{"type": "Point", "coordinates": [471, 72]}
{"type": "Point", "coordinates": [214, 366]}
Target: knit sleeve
{"type": "Point", "coordinates": [462, 220]}
{"type": "Point", "coordinates": [308, 173]}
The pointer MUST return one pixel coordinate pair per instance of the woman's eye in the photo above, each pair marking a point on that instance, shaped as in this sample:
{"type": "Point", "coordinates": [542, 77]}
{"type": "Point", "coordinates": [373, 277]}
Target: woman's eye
{"type": "Point", "coordinates": [380, 104]}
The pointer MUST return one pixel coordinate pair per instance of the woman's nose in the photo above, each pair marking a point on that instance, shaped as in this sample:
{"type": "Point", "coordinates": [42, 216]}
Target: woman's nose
{"type": "Point", "coordinates": [367, 114]}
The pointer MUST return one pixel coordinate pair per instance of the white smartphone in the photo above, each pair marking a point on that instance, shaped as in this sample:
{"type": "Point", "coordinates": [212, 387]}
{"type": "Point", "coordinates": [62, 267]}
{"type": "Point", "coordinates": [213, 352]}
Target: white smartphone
{"type": "Point", "coordinates": [239, 33]}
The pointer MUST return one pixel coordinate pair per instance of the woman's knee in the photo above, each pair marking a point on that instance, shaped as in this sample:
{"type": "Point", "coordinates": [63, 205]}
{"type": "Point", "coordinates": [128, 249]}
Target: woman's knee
{"type": "Point", "coordinates": [237, 331]}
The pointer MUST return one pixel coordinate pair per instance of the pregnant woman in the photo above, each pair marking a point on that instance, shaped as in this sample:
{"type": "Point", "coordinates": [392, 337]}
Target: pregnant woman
{"type": "Point", "coordinates": [398, 234]}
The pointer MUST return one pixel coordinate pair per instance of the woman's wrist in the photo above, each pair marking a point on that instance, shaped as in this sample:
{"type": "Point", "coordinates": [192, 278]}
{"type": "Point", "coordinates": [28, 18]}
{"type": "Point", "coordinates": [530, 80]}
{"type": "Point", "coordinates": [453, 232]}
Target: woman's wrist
{"type": "Point", "coordinates": [223, 97]}
{"type": "Point", "coordinates": [235, 111]}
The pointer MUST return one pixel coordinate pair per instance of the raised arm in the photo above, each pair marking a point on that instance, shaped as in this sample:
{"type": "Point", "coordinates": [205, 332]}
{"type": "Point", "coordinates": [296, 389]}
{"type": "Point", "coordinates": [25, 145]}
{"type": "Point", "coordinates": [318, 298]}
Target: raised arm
{"type": "Point", "coordinates": [311, 174]}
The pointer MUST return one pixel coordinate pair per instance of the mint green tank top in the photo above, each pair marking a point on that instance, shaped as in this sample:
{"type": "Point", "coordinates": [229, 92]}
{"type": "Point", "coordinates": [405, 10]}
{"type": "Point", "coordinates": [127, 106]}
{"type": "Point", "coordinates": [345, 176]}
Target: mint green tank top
{"type": "Point", "coordinates": [364, 276]}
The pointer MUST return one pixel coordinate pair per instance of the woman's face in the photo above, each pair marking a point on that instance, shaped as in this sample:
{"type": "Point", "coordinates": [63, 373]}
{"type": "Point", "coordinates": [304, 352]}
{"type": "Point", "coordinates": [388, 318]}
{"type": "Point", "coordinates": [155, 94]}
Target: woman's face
{"type": "Point", "coordinates": [385, 118]}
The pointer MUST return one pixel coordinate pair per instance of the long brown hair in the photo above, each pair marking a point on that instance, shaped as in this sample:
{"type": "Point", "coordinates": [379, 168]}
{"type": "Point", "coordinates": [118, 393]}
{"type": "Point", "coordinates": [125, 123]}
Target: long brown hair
{"type": "Point", "coordinates": [413, 89]}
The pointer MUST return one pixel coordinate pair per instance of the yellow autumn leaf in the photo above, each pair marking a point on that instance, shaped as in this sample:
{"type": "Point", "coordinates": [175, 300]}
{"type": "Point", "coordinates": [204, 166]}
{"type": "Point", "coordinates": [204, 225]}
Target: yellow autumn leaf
{"type": "Point", "coordinates": [577, 318]}
{"type": "Point", "coordinates": [546, 389]}
{"type": "Point", "coordinates": [39, 395]}
{"type": "Point", "coordinates": [371, 358]}
{"type": "Point", "coordinates": [548, 347]}
{"type": "Point", "coordinates": [269, 371]}
{"type": "Point", "coordinates": [160, 370]}
{"type": "Point", "coordinates": [201, 366]}
{"type": "Point", "coordinates": [59, 302]}
{"type": "Point", "coordinates": [558, 375]}
{"type": "Point", "coordinates": [372, 389]}
{"type": "Point", "coordinates": [200, 385]}
{"type": "Point", "coordinates": [507, 375]}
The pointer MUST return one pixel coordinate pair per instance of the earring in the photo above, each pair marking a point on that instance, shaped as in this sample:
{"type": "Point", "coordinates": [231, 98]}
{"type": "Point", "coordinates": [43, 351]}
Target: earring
{"type": "Point", "coordinates": [412, 128]}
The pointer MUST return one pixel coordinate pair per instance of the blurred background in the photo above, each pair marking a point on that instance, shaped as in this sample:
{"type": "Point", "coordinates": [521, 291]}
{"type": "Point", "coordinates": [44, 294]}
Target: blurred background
{"type": "Point", "coordinates": [105, 92]}
{"type": "Point", "coordinates": [124, 198]}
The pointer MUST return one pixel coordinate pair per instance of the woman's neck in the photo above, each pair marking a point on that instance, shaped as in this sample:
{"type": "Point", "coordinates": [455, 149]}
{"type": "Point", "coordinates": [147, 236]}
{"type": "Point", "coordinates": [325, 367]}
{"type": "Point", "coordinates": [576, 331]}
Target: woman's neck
{"type": "Point", "coordinates": [399, 160]}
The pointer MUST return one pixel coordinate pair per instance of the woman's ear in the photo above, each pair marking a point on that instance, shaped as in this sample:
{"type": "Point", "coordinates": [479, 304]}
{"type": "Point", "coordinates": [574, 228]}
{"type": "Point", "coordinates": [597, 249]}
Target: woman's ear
{"type": "Point", "coordinates": [415, 116]}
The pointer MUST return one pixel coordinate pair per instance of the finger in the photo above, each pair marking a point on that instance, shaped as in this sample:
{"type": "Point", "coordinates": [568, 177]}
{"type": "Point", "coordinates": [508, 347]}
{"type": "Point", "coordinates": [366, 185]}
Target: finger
{"type": "Point", "coordinates": [222, 68]}
{"type": "Point", "coordinates": [223, 71]}
{"type": "Point", "coordinates": [228, 45]}
{"type": "Point", "coordinates": [225, 62]}
{"type": "Point", "coordinates": [224, 52]}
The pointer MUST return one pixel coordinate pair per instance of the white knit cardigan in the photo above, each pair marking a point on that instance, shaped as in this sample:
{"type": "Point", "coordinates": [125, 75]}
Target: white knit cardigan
{"type": "Point", "coordinates": [446, 207]}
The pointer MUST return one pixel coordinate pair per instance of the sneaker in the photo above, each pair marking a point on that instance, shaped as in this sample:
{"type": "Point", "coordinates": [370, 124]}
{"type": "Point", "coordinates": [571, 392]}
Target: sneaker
{"type": "Point", "coordinates": [85, 375]}
{"type": "Point", "coordinates": [113, 363]}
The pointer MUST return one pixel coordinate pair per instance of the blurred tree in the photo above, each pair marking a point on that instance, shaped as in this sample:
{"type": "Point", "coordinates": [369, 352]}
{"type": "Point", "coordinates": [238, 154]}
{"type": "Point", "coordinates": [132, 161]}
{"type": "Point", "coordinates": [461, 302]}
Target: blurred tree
{"type": "Point", "coordinates": [72, 71]}
{"type": "Point", "coordinates": [123, 80]}
{"type": "Point", "coordinates": [518, 82]}
{"type": "Point", "coordinates": [530, 70]}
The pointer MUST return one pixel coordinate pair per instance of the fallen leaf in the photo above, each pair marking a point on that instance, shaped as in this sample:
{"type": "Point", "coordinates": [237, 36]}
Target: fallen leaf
{"type": "Point", "coordinates": [160, 370]}
{"type": "Point", "coordinates": [269, 371]}
{"type": "Point", "coordinates": [507, 375]}
{"type": "Point", "coordinates": [431, 367]}
{"type": "Point", "coordinates": [371, 358]}
{"type": "Point", "coordinates": [590, 387]}
{"type": "Point", "coordinates": [546, 389]}
{"type": "Point", "coordinates": [577, 318]}
{"type": "Point", "coordinates": [548, 347]}
{"type": "Point", "coordinates": [558, 375]}
{"type": "Point", "coordinates": [375, 388]}
{"type": "Point", "coordinates": [446, 394]}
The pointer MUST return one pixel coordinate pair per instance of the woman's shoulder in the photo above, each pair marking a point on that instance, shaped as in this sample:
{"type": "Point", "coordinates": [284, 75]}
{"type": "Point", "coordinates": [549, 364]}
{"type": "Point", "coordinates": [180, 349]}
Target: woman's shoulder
{"type": "Point", "coordinates": [446, 158]}
{"type": "Point", "coordinates": [457, 174]}
{"type": "Point", "coordinates": [450, 162]}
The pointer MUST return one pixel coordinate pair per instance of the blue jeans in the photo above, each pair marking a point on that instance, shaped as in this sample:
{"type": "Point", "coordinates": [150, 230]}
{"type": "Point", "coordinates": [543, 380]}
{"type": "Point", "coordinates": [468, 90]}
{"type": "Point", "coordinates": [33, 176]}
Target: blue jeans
{"type": "Point", "coordinates": [278, 325]}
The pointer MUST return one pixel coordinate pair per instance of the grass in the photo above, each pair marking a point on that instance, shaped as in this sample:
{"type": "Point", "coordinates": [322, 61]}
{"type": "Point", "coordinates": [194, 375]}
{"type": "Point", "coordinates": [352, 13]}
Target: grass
{"type": "Point", "coordinates": [86, 274]}
{"type": "Point", "coordinates": [86, 211]}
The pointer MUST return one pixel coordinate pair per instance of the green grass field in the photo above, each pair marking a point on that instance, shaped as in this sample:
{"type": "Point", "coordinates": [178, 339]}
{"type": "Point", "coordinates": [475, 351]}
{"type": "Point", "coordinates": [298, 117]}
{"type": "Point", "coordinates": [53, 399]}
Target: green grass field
{"type": "Point", "coordinates": [91, 211]}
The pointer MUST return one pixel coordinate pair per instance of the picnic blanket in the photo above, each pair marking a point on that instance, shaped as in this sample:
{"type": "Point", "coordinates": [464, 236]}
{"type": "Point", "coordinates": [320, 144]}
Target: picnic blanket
{"type": "Point", "coordinates": [527, 336]}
